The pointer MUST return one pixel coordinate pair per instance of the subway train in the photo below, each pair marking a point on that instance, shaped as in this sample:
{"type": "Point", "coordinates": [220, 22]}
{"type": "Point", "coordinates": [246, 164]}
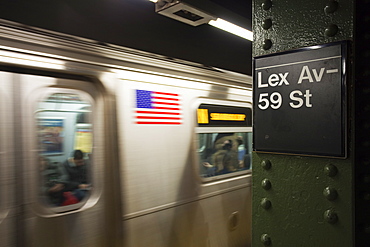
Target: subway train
{"type": "Point", "coordinates": [103, 145]}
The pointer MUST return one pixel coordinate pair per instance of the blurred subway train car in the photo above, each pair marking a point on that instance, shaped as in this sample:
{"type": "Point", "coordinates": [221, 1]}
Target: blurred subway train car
{"type": "Point", "coordinates": [103, 145]}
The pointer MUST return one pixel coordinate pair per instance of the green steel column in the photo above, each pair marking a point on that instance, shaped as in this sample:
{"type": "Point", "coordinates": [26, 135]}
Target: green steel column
{"type": "Point", "coordinates": [313, 201]}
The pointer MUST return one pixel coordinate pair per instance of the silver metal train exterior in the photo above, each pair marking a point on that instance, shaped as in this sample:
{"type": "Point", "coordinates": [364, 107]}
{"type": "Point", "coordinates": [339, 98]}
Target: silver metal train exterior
{"type": "Point", "coordinates": [148, 183]}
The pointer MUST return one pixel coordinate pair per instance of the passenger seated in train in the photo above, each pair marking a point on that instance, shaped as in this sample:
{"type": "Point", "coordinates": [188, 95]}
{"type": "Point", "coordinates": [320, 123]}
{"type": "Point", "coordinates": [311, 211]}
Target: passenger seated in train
{"type": "Point", "coordinates": [77, 182]}
{"type": "Point", "coordinates": [225, 158]}
{"type": "Point", "coordinates": [53, 181]}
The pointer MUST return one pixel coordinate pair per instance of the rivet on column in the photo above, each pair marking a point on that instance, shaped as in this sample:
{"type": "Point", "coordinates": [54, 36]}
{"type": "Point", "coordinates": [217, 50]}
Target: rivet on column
{"type": "Point", "coordinates": [266, 164]}
{"type": "Point", "coordinates": [267, 44]}
{"type": "Point", "coordinates": [330, 193]}
{"type": "Point", "coordinates": [331, 7]}
{"type": "Point", "coordinates": [267, 4]}
{"type": "Point", "coordinates": [266, 184]}
{"type": "Point", "coordinates": [266, 240]}
{"type": "Point", "coordinates": [331, 170]}
{"type": "Point", "coordinates": [331, 30]}
{"type": "Point", "coordinates": [330, 216]}
{"type": "Point", "coordinates": [265, 203]}
{"type": "Point", "coordinates": [267, 23]}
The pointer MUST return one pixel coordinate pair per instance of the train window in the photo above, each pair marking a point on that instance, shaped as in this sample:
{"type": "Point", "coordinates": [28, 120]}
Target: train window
{"type": "Point", "coordinates": [223, 153]}
{"type": "Point", "coordinates": [65, 141]}
{"type": "Point", "coordinates": [224, 139]}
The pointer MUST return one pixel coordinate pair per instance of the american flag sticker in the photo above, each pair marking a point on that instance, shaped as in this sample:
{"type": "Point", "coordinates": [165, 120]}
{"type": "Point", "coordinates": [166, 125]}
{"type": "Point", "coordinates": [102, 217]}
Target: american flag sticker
{"type": "Point", "coordinates": [157, 108]}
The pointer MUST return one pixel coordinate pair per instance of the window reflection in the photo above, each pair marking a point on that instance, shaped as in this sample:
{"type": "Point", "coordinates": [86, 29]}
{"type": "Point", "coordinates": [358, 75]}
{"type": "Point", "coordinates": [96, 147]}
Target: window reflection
{"type": "Point", "coordinates": [223, 153]}
{"type": "Point", "coordinates": [65, 141]}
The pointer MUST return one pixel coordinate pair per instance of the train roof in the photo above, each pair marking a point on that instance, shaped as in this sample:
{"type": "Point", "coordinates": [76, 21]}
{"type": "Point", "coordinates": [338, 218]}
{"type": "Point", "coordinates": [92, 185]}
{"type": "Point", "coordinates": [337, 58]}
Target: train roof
{"type": "Point", "coordinates": [17, 37]}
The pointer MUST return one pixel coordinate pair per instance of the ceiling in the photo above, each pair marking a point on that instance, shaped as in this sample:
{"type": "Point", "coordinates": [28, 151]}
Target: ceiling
{"type": "Point", "coordinates": [135, 24]}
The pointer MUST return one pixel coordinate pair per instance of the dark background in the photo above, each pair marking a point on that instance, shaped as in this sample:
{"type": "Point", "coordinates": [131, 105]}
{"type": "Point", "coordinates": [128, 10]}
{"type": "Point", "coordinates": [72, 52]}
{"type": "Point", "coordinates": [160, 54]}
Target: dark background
{"type": "Point", "coordinates": [135, 24]}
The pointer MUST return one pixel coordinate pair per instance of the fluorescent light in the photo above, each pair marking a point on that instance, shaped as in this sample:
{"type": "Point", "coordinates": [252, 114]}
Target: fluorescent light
{"type": "Point", "coordinates": [30, 60]}
{"type": "Point", "coordinates": [232, 28]}
{"type": "Point", "coordinates": [154, 1]}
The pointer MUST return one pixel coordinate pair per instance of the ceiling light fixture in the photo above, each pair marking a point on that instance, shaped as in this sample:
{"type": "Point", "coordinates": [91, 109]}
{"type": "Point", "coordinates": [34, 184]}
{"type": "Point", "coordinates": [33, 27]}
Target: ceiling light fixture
{"type": "Point", "coordinates": [232, 28]}
{"type": "Point", "coordinates": [183, 12]}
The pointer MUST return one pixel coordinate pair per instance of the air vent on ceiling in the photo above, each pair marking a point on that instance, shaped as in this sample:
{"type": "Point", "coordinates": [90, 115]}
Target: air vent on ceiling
{"type": "Point", "coordinates": [182, 12]}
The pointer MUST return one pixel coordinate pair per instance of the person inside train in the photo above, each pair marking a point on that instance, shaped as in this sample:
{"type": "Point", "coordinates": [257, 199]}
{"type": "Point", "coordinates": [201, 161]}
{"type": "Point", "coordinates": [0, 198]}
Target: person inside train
{"type": "Point", "coordinates": [76, 168]}
{"type": "Point", "coordinates": [225, 159]}
{"type": "Point", "coordinates": [241, 152]}
{"type": "Point", "coordinates": [53, 181]}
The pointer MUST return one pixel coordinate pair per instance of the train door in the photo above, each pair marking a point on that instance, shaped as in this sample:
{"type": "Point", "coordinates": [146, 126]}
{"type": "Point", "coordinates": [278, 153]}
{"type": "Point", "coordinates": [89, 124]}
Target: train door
{"type": "Point", "coordinates": [52, 151]}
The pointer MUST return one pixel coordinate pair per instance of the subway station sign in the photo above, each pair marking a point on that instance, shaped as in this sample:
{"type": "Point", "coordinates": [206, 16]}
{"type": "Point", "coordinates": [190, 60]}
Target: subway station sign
{"type": "Point", "coordinates": [300, 101]}
{"type": "Point", "coordinates": [223, 116]}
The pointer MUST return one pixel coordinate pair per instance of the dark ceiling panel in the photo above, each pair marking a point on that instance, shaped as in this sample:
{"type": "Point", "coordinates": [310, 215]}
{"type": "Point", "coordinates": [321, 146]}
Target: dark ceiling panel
{"type": "Point", "coordinates": [240, 7]}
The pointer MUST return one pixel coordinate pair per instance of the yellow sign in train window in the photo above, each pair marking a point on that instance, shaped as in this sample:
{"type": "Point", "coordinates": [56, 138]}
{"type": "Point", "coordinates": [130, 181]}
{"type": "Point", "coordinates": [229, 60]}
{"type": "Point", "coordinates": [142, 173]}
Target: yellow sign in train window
{"type": "Point", "coordinates": [224, 116]}
{"type": "Point", "coordinates": [203, 116]}
{"type": "Point", "coordinates": [227, 117]}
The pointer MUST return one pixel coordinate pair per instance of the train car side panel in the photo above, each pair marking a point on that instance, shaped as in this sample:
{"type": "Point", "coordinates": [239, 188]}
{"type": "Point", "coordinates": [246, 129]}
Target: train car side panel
{"type": "Point", "coordinates": [7, 175]}
{"type": "Point", "coordinates": [162, 189]}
